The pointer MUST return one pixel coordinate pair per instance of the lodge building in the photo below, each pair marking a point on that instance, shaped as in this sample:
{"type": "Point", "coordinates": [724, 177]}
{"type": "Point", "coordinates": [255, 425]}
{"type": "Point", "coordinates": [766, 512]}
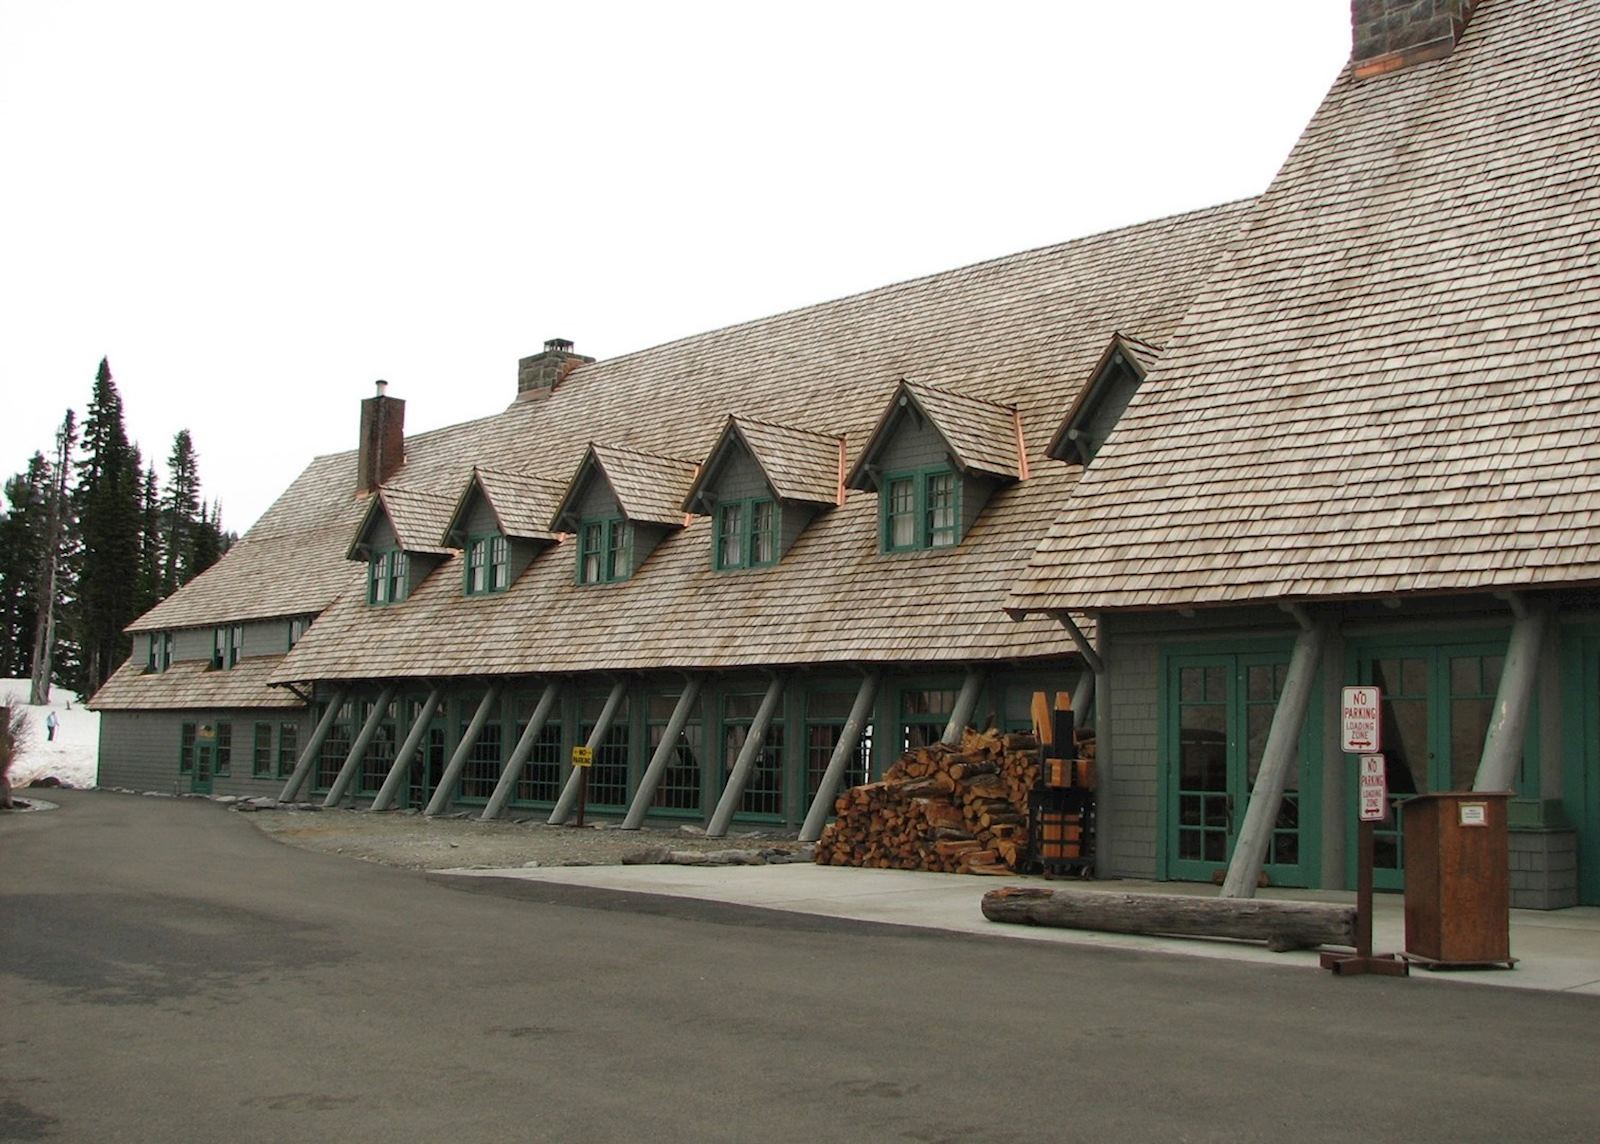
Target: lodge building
{"type": "Point", "coordinates": [1199, 473]}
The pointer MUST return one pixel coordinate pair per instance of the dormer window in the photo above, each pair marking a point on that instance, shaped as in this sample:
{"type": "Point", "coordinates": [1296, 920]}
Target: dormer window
{"type": "Point", "coordinates": [746, 533]}
{"type": "Point", "coordinates": [158, 651]}
{"type": "Point", "coordinates": [297, 628]}
{"type": "Point", "coordinates": [601, 547]}
{"type": "Point", "coordinates": [488, 565]}
{"type": "Point", "coordinates": [226, 643]}
{"type": "Point", "coordinates": [387, 578]}
{"type": "Point", "coordinates": [920, 509]}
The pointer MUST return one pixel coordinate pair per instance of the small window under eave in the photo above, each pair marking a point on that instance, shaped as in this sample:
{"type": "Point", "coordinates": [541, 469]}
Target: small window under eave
{"type": "Point", "coordinates": [1111, 386]}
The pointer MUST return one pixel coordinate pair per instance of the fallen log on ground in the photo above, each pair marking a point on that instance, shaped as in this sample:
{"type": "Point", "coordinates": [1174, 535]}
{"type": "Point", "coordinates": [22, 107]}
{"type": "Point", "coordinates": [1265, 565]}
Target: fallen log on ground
{"type": "Point", "coordinates": [1282, 925]}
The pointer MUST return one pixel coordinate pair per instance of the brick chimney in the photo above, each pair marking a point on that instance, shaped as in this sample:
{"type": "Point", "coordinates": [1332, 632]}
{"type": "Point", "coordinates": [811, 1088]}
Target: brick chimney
{"type": "Point", "coordinates": [1394, 34]}
{"type": "Point", "coordinates": [383, 439]}
{"type": "Point", "coordinates": [541, 373]}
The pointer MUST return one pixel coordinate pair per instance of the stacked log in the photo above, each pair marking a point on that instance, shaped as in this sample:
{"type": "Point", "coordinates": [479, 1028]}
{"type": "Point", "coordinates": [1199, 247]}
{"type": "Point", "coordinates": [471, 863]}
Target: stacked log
{"type": "Point", "coordinates": [959, 809]}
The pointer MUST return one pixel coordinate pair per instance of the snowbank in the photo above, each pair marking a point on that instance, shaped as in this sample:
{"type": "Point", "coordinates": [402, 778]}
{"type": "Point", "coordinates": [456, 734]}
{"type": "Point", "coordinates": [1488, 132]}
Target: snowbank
{"type": "Point", "coordinates": [74, 756]}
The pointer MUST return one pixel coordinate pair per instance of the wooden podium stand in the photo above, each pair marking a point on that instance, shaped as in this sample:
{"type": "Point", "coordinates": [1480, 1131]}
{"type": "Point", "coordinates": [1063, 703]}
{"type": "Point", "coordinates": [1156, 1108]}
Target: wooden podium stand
{"type": "Point", "coordinates": [1458, 880]}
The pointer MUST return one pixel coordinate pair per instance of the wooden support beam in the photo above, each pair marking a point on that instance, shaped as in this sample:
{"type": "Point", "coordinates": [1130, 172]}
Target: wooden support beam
{"type": "Point", "coordinates": [966, 703]}
{"type": "Point", "coordinates": [313, 747]}
{"type": "Point", "coordinates": [402, 760]}
{"type": "Point", "coordinates": [1508, 724]}
{"type": "Point", "coordinates": [520, 754]}
{"type": "Point", "coordinates": [860, 715]}
{"type": "Point", "coordinates": [352, 760]}
{"type": "Point", "coordinates": [1282, 925]}
{"type": "Point", "coordinates": [754, 741]}
{"type": "Point", "coordinates": [440, 802]}
{"type": "Point", "coordinates": [665, 749]}
{"type": "Point", "coordinates": [1083, 700]}
{"type": "Point", "coordinates": [1081, 641]}
{"type": "Point", "coordinates": [1277, 759]}
{"type": "Point", "coordinates": [602, 727]}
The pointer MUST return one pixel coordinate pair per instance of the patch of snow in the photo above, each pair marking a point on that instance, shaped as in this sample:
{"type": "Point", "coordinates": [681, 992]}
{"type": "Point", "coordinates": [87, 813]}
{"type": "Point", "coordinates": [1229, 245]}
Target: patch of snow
{"type": "Point", "coordinates": [74, 755]}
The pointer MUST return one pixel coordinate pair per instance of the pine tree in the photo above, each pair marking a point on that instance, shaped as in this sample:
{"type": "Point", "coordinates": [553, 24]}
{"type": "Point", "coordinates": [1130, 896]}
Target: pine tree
{"type": "Point", "coordinates": [183, 513]}
{"type": "Point", "coordinates": [48, 589]}
{"type": "Point", "coordinates": [151, 548]}
{"type": "Point", "coordinates": [23, 530]}
{"type": "Point", "coordinates": [107, 509]}
{"type": "Point", "coordinates": [209, 540]}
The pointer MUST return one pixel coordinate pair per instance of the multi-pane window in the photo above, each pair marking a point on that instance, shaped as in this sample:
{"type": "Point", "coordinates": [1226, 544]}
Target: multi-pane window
{"type": "Point", "coordinates": [386, 579]}
{"type": "Point", "coordinates": [336, 746]}
{"type": "Point", "coordinates": [540, 780]}
{"type": "Point", "coordinates": [482, 769]}
{"type": "Point", "coordinates": [226, 643]}
{"type": "Point", "coordinates": [288, 748]}
{"type": "Point", "coordinates": [679, 788]}
{"type": "Point", "coordinates": [224, 763]}
{"type": "Point", "coordinates": [920, 510]}
{"type": "Point", "coordinates": [602, 548]}
{"type": "Point", "coordinates": [488, 564]}
{"type": "Point", "coordinates": [826, 713]}
{"type": "Point", "coordinates": [158, 650]}
{"type": "Point", "coordinates": [924, 714]}
{"type": "Point", "coordinates": [746, 533]}
{"type": "Point", "coordinates": [763, 788]}
{"type": "Point", "coordinates": [261, 752]}
{"type": "Point", "coordinates": [379, 755]}
{"type": "Point", "coordinates": [186, 737]}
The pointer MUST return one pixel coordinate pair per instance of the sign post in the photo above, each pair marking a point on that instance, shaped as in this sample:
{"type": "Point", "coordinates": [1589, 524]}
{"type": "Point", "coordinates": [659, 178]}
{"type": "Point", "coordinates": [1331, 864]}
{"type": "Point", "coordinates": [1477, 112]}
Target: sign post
{"type": "Point", "coordinates": [1361, 734]}
{"type": "Point", "coordinates": [582, 760]}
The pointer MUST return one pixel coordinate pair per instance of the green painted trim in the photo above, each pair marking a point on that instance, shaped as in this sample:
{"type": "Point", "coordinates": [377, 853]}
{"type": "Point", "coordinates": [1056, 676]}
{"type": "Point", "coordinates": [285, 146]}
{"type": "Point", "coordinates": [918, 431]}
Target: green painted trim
{"type": "Point", "coordinates": [491, 552]}
{"type": "Point", "coordinates": [614, 548]}
{"type": "Point", "coordinates": [925, 534]}
{"type": "Point", "coordinates": [389, 567]}
{"type": "Point", "coordinates": [747, 534]}
{"type": "Point", "coordinates": [257, 769]}
{"type": "Point", "coordinates": [1580, 772]}
{"type": "Point", "coordinates": [287, 761]}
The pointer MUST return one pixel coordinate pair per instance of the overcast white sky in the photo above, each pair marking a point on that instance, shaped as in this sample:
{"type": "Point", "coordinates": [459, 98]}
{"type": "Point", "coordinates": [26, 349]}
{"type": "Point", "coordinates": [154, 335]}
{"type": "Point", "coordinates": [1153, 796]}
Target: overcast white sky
{"type": "Point", "coordinates": [254, 210]}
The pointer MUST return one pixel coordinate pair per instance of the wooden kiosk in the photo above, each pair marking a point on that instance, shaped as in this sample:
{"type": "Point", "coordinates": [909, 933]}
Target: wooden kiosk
{"type": "Point", "coordinates": [1458, 880]}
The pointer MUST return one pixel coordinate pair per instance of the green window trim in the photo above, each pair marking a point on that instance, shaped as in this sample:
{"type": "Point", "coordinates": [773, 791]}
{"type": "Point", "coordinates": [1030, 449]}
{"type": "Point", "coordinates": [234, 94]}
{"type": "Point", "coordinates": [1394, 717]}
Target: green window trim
{"type": "Point", "coordinates": [226, 644]}
{"type": "Point", "coordinates": [186, 741]}
{"type": "Point", "coordinates": [602, 550]}
{"type": "Point", "coordinates": [746, 534]}
{"type": "Point", "coordinates": [224, 758]}
{"type": "Point", "coordinates": [261, 753]}
{"type": "Point", "coordinates": [388, 580]}
{"type": "Point", "coordinates": [288, 748]}
{"type": "Point", "coordinates": [918, 509]}
{"type": "Point", "coordinates": [158, 651]}
{"type": "Point", "coordinates": [488, 564]}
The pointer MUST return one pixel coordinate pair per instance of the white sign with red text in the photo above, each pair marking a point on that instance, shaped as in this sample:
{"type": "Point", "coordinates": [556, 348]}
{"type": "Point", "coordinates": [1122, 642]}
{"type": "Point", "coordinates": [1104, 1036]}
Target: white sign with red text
{"type": "Point", "coordinates": [1359, 720]}
{"type": "Point", "coordinates": [1373, 783]}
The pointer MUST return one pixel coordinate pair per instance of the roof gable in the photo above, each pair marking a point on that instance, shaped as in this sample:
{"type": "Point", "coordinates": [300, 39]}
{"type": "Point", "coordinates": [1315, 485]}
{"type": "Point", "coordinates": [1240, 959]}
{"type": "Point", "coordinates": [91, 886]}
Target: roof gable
{"type": "Point", "coordinates": [1122, 367]}
{"type": "Point", "coordinates": [649, 489]}
{"type": "Point", "coordinates": [520, 503]}
{"type": "Point", "coordinates": [414, 518]}
{"type": "Point", "coordinates": [797, 464]}
{"type": "Point", "coordinates": [980, 437]}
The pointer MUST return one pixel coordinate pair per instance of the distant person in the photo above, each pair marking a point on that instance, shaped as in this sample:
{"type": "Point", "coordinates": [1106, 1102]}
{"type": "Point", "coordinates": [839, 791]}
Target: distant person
{"type": "Point", "coordinates": [50, 725]}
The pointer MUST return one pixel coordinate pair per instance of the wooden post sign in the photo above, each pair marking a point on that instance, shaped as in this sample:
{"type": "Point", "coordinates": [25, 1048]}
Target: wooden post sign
{"type": "Point", "coordinates": [1360, 727]}
{"type": "Point", "coordinates": [583, 756]}
{"type": "Point", "coordinates": [582, 760]}
{"type": "Point", "coordinates": [1373, 785]}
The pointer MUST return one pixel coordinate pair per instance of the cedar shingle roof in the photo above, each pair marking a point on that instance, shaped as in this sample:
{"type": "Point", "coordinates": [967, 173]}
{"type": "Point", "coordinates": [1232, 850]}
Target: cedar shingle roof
{"type": "Point", "coordinates": [522, 502]}
{"type": "Point", "coordinates": [193, 684]}
{"type": "Point", "coordinates": [1140, 355]}
{"type": "Point", "coordinates": [799, 465]}
{"type": "Point", "coordinates": [1022, 330]}
{"type": "Point", "coordinates": [649, 488]}
{"type": "Point", "coordinates": [1391, 386]}
{"type": "Point", "coordinates": [416, 518]}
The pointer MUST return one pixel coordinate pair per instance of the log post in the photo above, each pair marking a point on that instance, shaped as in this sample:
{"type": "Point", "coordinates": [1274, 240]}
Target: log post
{"type": "Point", "coordinates": [520, 754]}
{"type": "Point", "coordinates": [860, 715]}
{"type": "Point", "coordinates": [1277, 757]}
{"type": "Point", "coordinates": [440, 801]}
{"type": "Point", "coordinates": [966, 703]}
{"type": "Point", "coordinates": [665, 749]}
{"type": "Point", "coordinates": [602, 727]}
{"type": "Point", "coordinates": [313, 747]}
{"type": "Point", "coordinates": [754, 741]}
{"type": "Point", "coordinates": [1502, 746]}
{"type": "Point", "coordinates": [352, 761]}
{"type": "Point", "coordinates": [402, 759]}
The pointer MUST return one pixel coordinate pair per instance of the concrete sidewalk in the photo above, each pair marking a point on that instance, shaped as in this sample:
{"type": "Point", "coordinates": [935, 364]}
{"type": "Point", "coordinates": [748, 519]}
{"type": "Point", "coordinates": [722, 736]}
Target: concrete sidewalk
{"type": "Point", "coordinates": [1557, 951]}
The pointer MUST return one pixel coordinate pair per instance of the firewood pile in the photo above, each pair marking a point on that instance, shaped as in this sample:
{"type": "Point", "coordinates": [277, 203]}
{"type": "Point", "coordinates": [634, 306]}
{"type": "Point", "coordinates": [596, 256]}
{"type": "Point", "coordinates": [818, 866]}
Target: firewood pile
{"type": "Point", "coordinates": [953, 809]}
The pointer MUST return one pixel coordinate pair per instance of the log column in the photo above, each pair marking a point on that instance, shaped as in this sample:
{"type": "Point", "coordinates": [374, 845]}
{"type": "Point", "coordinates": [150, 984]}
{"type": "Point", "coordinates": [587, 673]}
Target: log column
{"type": "Point", "coordinates": [313, 747]}
{"type": "Point", "coordinates": [602, 727]}
{"type": "Point", "coordinates": [1277, 757]}
{"type": "Point", "coordinates": [966, 703]}
{"type": "Point", "coordinates": [663, 754]}
{"type": "Point", "coordinates": [402, 760]}
{"type": "Point", "coordinates": [860, 715]}
{"type": "Point", "coordinates": [1502, 746]}
{"type": "Point", "coordinates": [734, 791]}
{"type": "Point", "coordinates": [519, 756]}
{"type": "Point", "coordinates": [352, 761]}
{"type": "Point", "coordinates": [440, 801]}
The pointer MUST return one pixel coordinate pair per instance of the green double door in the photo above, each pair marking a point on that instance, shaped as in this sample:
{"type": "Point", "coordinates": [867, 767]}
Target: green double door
{"type": "Point", "coordinates": [1219, 713]}
{"type": "Point", "coordinates": [1437, 703]}
{"type": "Point", "coordinates": [204, 768]}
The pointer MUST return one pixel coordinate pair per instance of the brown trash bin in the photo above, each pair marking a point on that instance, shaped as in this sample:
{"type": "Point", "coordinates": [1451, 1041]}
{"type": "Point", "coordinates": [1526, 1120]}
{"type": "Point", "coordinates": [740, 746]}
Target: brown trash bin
{"type": "Point", "coordinates": [1458, 880]}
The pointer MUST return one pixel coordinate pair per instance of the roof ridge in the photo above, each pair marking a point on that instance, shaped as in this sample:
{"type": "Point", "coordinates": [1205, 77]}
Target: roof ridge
{"type": "Point", "coordinates": [944, 392]}
{"type": "Point", "coordinates": [745, 417]}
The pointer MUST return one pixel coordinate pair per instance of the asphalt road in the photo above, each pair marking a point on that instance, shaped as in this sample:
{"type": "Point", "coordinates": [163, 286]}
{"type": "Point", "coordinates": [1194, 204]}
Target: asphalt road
{"type": "Point", "coordinates": [167, 973]}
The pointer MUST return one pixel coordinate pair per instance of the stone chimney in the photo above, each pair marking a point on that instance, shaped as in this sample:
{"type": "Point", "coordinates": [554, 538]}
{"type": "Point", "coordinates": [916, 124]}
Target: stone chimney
{"type": "Point", "coordinates": [538, 375]}
{"type": "Point", "coordinates": [1393, 34]}
{"type": "Point", "coordinates": [383, 439]}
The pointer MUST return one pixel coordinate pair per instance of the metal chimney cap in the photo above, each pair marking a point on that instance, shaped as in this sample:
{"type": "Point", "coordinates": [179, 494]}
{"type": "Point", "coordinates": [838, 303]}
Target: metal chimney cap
{"type": "Point", "coordinates": [558, 345]}
{"type": "Point", "coordinates": [383, 386]}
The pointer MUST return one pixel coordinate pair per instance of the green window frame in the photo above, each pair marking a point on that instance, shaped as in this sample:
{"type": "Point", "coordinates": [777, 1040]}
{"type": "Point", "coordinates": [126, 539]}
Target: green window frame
{"type": "Point", "coordinates": [226, 643]}
{"type": "Point", "coordinates": [297, 628]}
{"type": "Point", "coordinates": [387, 579]}
{"type": "Point", "coordinates": [261, 752]}
{"type": "Point", "coordinates": [826, 714]}
{"type": "Point", "coordinates": [920, 509]}
{"type": "Point", "coordinates": [224, 764]}
{"type": "Point", "coordinates": [186, 740]}
{"type": "Point", "coordinates": [488, 565]}
{"type": "Point", "coordinates": [288, 748]}
{"type": "Point", "coordinates": [746, 534]}
{"type": "Point", "coordinates": [602, 549]}
{"type": "Point", "coordinates": [680, 789]}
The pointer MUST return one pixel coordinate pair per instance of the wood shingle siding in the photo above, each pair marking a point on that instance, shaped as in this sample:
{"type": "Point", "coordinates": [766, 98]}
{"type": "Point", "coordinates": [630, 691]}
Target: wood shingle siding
{"type": "Point", "coordinates": [1391, 385]}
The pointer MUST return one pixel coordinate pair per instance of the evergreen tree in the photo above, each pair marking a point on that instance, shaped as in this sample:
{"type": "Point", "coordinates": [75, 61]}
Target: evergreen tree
{"type": "Point", "coordinates": [210, 542]}
{"type": "Point", "coordinates": [48, 598]}
{"type": "Point", "coordinates": [151, 548]}
{"type": "Point", "coordinates": [107, 504]}
{"type": "Point", "coordinates": [24, 527]}
{"type": "Point", "coordinates": [183, 514]}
